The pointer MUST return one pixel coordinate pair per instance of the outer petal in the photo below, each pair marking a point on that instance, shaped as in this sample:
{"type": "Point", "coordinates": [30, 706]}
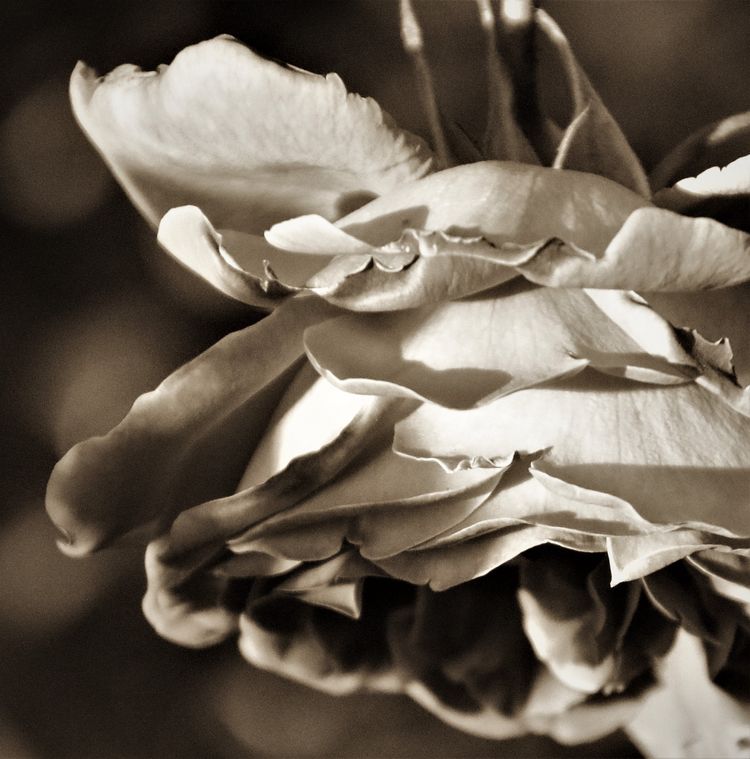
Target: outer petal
{"type": "Point", "coordinates": [249, 141]}
{"type": "Point", "coordinates": [183, 443]}
{"type": "Point", "coordinates": [189, 236]}
{"type": "Point", "coordinates": [465, 352]}
{"type": "Point", "coordinates": [503, 202]}
{"type": "Point", "coordinates": [319, 647]}
{"type": "Point", "coordinates": [714, 145]}
{"type": "Point", "coordinates": [715, 314]}
{"type": "Point", "coordinates": [560, 229]}
{"type": "Point", "coordinates": [670, 452]}
{"type": "Point", "coordinates": [189, 572]}
{"type": "Point", "coordinates": [385, 504]}
{"type": "Point", "coordinates": [703, 720]}
{"type": "Point", "coordinates": [592, 141]}
{"type": "Point", "coordinates": [466, 645]}
{"type": "Point", "coordinates": [290, 462]}
{"type": "Point", "coordinates": [655, 249]}
{"type": "Point", "coordinates": [732, 179]}
{"type": "Point", "coordinates": [484, 218]}
{"type": "Point", "coordinates": [634, 556]}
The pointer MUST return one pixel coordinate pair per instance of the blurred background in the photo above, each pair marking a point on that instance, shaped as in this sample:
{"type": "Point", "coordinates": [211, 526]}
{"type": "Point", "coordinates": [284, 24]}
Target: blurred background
{"type": "Point", "coordinates": [92, 314]}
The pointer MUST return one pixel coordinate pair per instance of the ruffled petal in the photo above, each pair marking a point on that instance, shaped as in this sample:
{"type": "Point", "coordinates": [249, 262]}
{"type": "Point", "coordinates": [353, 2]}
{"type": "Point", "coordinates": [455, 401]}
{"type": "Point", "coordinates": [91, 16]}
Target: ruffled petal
{"type": "Point", "coordinates": [669, 452]}
{"type": "Point", "coordinates": [448, 564]}
{"type": "Point", "coordinates": [654, 250]}
{"type": "Point", "coordinates": [184, 443]}
{"type": "Point", "coordinates": [384, 504]}
{"type": "Point", "coordinates": [249, 141]}
{"type": "Point", "coordinates": [528, 496]}
{"type": "Point", "coordinates": [462, 353]}
{"type": "Point", "coordinates": [187, 235]}
{"type": "Point", "coordinates": [635, 556]}
{"type": "Point", "coordinates": [715, 314]}
{"type": "Point", "coordinates": [559, 229]}
{"type": "Point", "coordinates": [420, 268]}
{"type": "Point", "coordinates": [487, 219]}
{"type": "Point", "coordinates": [502, 202]}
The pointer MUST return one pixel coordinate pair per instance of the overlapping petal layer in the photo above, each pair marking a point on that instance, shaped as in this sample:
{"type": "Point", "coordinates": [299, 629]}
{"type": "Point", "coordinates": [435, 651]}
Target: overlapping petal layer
{"type": "Point", "coordinates": [464, 352]}
{"type": "Point", "coordinates": [248, 140]}
{"type": "Point", "coordinates": [592, 141]}
{"type": "Point", "coordinates": [493, 220]}
{"type": "Point", "coordinates": [670, 452]}
{"type": "Point", "coordinates": [186, 441]}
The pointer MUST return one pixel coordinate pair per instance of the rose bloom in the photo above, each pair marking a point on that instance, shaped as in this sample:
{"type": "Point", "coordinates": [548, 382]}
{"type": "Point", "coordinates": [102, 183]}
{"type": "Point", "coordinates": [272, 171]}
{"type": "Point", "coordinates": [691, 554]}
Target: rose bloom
{"type": "Point", "coordinates": [491, 447]}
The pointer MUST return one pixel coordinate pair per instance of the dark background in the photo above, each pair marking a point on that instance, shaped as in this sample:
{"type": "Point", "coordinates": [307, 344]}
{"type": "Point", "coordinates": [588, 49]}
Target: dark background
{"type": "Point", "coordinates": [92, 314]}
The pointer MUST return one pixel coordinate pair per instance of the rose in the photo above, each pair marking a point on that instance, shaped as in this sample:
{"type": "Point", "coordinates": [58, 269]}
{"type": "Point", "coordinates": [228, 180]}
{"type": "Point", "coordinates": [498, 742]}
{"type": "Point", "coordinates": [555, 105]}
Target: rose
{"type": "Point", "coordinates": [467, 559]}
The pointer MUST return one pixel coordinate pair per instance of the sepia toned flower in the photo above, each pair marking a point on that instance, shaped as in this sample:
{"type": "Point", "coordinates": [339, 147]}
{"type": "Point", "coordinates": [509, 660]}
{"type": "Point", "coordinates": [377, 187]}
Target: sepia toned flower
{"type": "Point", "coordinates": [490, 449]}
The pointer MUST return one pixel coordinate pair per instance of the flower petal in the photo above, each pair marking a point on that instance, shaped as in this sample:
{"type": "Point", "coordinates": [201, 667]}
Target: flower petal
{"type": "Point", "coordinates": [728, 573]}
{"type": "Point", "coordinates": [384, 504]}
{"type": "Point", "coordinates": [187, 235]}
{"type": "Point", "coordinates": [188, 571]}
{"type": "Point", "coordinates": [502, 202]}
{"type": "Point", "coordinates": [714, 145]}
{"type": "Point", "coordinates": [336, 584]}
{"type": "Point", "coordinates": [466, 645]}
{"type": "Point", "coordinates": [715, 314]}
{"type": "Point", "coordinates": [703, 720]}
{"type": "Point", "coordinates": [732, 179]}
{"type": "Point", "coordinates": [447, 565]}
{"type": "Point", "coordinates": [461, 353]}
{"type": "Point", "coordinates": [486, 218]}
{"type": "Point", "coordinates": [592, 141]}
{"type": "Point", "coordinates": [320, 647]}
{"type": "Point", "coordinates": [718, 193]}
{"type": "Point", "coordinates": [682, 596]}
{"type": "Point", "coordinates": [185, 442]}
{"type": "Point", "coordinates": [670, 452]}
{"type": "Point", "coordinates": [206, 527]}
{"type": "Point", "coordinates": [534, 229]}
{"type": "Point", "coordinates": [189, 608]}
{"type": "Point", "coordinates": [635, 556]}
{"type": "Point", "coordinates": [526, 495]}
{"type": "Point", "coordinates": [249, 141]}
{"type": "Point", "coordinates": [406, 277]}
{"type": "Point", "coordinates": [573, 620]}
{"type": "Point", "coordinates": [654, 250]}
